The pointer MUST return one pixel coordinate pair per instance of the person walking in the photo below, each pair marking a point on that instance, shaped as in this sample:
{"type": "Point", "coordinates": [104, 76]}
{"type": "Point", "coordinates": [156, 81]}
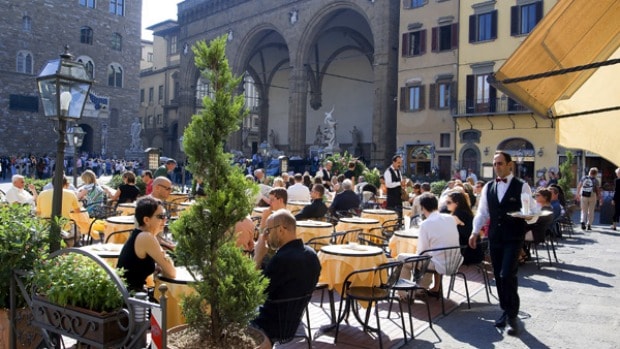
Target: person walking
{"type": "Point", "coordinates": [615, 201]}
{"type": "Point", "coordinates": [506, 234]}
{"type": "Point", "coordinates": [588, 193]}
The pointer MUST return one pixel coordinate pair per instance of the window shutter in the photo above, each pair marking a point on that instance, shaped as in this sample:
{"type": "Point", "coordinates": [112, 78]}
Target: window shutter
{"type": "Point", "coordinates": [469, 94]}
{"type": "Point", "coordinates": [492, 98]}
{"type": "Point", "coordinates": [434, 39]}
{"type": "Point", "coordinates": [422, 42]}
{"type": "Point", "coordinates": [422, 94]}
{"type": "Point", "coordinates": [514, 20]}
{"type": "Point", "coordinates": [539, 11]}
{"type": "Point", "coordinates": [494, 24]}
{"type": "Point", "coordinates": [453, 94]}
{"type": "Point", "coordinates": [405, 47]}
{"type": "Point", "coordinates": [403, 99]}
{"type": "Point", "coordinates": [455, 35]}
{"type": "Point", "coordinates": [472, 28]}
{"type": "Point", "coordinates": [432, 96]}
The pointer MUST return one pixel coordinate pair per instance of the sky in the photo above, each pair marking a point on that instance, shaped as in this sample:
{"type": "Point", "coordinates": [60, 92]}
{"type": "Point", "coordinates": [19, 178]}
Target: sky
{"type": "Point", "coordinates": [155, 11]}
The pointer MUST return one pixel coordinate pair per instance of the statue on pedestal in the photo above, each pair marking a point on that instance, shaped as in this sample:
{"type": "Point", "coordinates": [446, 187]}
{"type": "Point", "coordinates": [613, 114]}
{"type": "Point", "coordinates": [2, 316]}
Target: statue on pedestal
{"type": "Point", "coordinates": [330, 131]}
{"type": "Point", "coordinates": [136, 141]}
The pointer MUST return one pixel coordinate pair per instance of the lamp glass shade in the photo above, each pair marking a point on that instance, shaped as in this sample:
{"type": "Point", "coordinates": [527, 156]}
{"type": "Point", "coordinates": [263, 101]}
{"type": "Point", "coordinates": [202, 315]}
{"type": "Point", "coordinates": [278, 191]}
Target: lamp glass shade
{"type": "Point", "coordinates": [63, 78]}
{"type": "Point", "coordinates": [75, 136]}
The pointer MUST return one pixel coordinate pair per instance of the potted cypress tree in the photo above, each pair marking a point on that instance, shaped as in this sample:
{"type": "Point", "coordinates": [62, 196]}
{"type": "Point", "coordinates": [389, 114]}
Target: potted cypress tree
{"type": "Point", "coordinates": [228, 287]}
{"type": "Point", "coordinates": [23, 242]}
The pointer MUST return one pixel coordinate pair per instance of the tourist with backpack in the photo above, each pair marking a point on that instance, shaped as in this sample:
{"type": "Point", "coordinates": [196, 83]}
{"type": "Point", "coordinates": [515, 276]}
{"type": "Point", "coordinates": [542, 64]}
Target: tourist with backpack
{"type": "Point", "coordinates": [588, 193]}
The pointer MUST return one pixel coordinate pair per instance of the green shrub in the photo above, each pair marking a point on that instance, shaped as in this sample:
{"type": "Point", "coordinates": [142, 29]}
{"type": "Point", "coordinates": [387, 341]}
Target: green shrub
{"type": "Point", "coordinates": [438, 187]}
{"type": "Point", "coordinates": [76, 280]}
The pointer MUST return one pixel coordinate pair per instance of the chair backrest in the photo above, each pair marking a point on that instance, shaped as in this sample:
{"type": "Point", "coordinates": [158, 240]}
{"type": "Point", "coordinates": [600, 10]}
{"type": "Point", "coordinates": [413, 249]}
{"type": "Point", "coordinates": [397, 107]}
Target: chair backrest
{"type": "Point", "coordinates": [289, 313]}
{"type": "Point", "coordinates": [384, 275]}
{"type": "Point", "coordinates": [109, 236]}
{"type": "Point", "coordinates": [419, 266]}
{"type": "Point", "coordinates": [345, 236]}
{"type": "Point", "coordinates": [319, 241]}
{"type": "Point", "coordinates": [448, 258]}
{"type": "Point", "coordinates": [539, 229]}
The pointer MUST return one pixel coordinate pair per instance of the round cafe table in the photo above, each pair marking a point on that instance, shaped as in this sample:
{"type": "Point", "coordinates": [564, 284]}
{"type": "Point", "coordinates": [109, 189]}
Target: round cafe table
{"type": "Point", "coordinates": [177, 289]}
{"type": "Point", "coordinates": [118, 223]}
{"type": "Point", "coordinates": [127, 208]}
{"type": "Point", "coordinates": [379, 214]}
{"type": "Point", "coordinates": [348, 223]}
{"type": "Point", "coordinates": [108, 252]}
{"type": "Point", "coordinates": [258, 211]}
{"type": "Point", "coordinates": [178, 197]}
{"type": "Point", "coordinates": [338, 261]}
{"type": "Point", "coordinates": [295, 206]}
{"type": "Point", "coordinates": [404, 241]}
{"type": "Point", "coordinates": [309, 229]}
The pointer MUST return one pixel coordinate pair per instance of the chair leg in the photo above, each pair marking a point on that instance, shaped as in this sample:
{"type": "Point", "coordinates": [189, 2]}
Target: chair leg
{"type": "Point", "coordinates": [535, 245]}
{"type": "Point", "coordinates": [554, 254]}
{"type": "Point", "coordinates": [466, 289]}
{"type": "Point", "coordinates": [443, 307]}
{"type": "Point", "coordinates": [309, 329]}
{"type": "Point", "coordinates": [378, 322]}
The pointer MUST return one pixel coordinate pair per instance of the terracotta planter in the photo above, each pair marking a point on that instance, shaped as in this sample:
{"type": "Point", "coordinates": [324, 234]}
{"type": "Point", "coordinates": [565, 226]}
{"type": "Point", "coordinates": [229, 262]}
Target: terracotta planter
{"type": "Point", "coordinates": [98, 329]}
{"type": "Point", "coordinates": [28, 336]}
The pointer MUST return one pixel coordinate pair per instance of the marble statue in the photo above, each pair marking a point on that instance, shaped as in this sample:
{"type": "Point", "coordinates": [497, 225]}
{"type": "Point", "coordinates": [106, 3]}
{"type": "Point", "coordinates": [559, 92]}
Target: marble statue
{"type": "Point", "coordinates": [136, 141]}
{"type": "Point", "coordinates": [330, 130]}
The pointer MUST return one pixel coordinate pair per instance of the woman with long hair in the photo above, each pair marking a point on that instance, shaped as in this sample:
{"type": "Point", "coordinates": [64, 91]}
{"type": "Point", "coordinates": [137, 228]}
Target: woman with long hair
{"type": "Point", "coordinates": [457, 204]}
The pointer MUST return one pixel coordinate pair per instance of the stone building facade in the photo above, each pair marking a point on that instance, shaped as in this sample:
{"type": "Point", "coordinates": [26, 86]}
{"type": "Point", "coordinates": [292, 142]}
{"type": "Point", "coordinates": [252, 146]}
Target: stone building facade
{"type": "Point", "coordinates": [105, 35]}
{"type": "Point", "coordinates": [302, 59]}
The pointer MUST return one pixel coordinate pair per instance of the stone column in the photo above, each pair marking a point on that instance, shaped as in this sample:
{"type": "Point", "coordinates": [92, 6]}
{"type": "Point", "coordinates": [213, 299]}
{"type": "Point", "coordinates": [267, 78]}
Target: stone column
{"type": "Point", "coordinates": [298, 99]}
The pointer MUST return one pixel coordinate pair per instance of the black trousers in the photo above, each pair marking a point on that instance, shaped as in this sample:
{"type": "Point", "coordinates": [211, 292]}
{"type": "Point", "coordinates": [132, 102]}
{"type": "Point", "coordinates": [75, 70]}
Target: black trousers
{"type": "Point", "coordinates": [504, 257]}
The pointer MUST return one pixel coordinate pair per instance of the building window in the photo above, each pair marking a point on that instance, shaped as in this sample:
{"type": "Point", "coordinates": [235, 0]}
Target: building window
{"type": "Point", "coordinates": [441, 95]}
{"type": "Point", "coordinates": [26, 24]}
{"type": "Point", "coordinates": [88, 64]}
{"type": "Point", "coordinates": [117, 42]}
{"type": "Point", "coordinates": [414, 3]}
{"type": "Point", "coordinates": [483, 26]}
{"type": "Point", "coordinates": [414, 43]}
{"type": "Point", "coordinates": [480, 95]}
{"type": "Point", "coordinates": [141, 95]}
{"type": "Point", "coordinates": [160, 93]}
{"type": "Point", "coordinates": [86, 35]}
{"type": "Point", "coordinates": [444, 140]}
{"type": "Point", "coordinates": [151, 94]}
{"type": "Point", "coordinates": [524, 18]}
{"type": "Point", "coordinates": [115, 75]}
{"type": "Point", "coordinates": [173, 45]}
{"type": "Point", "coordinates": [117, 7]}
{"type": "Point", "coordinates": [24, 103]}
{"type": "Point", "coordinates": [149, 57]}
{"type": "Point", "coordinates": [203, 89]}
{"type": "Point", "coordinates": [412, 98]}
{"type": "Point", "coordinates": [24, 62]}
{"type": "Point", "coordinates": [160, 120]}
{"type": "Point", "coordinates": [445, 37]}
{"type": "Point", "coordinates": [88, 3]}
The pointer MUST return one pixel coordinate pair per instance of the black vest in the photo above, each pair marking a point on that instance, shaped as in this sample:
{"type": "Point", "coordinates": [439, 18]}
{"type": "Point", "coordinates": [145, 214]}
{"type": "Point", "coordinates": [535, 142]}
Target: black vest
{"type": "Point", "coordinates": [505, 228]}
{"type": "Point", "coordinates": [393, 194]}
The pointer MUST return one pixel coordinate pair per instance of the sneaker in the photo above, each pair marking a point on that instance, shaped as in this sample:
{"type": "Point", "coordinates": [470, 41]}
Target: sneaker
{"type": "Point", "coordinates": [583, 226]}
{"type": "Point", "coordinates": [589, 227]}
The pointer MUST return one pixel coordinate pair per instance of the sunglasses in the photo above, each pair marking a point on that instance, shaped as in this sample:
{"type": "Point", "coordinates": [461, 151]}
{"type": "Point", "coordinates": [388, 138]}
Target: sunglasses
{"type": "Point", "coordinates": [267, 230]}
{"type": "Point", "coordinates": [165, 188]}
{"type": "Point", "coordinates": [161, 216]}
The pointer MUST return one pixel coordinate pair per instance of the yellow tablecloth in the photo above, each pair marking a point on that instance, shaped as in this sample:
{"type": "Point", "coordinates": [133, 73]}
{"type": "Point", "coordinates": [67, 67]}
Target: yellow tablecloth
{"type": "Point", "coordinates": [127, 209]}
{"type": "Point", "coordinates": [338, 261]}
{"type": "Point", "coordinates": [307, 230]}
{"type": "Point", "coordinates": [177, 289]}
{"type": "Point", "coordinates": [118, 223]}
{"type": "Point", "coordinates": [379, 214]}
{"type": "Point", "coordinates": [404, 241]}
{"type": "Point", "coordinates": [82, 220]}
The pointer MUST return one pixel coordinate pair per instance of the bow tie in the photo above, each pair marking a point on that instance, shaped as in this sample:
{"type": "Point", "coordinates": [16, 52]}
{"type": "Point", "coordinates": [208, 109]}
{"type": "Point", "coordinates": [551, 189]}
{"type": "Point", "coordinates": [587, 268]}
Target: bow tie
{"type": "Point", "coordinates": [498, 179]}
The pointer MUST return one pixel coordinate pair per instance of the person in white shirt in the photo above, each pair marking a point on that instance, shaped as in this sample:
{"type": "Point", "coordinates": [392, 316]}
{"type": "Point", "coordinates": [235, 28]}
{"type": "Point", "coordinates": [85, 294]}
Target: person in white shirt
{"type": "Point", "coordinates": [18, 195]}
{"type": "Point", "coordinates": [438, 230]}
{"type": "Point", "coordinates": [298, 191]}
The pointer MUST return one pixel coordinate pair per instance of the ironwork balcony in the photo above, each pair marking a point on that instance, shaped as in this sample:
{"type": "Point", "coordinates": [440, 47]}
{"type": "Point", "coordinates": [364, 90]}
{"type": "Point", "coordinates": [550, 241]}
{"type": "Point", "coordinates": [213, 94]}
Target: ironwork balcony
{"type": "Point", "coordinates": [497, 106]}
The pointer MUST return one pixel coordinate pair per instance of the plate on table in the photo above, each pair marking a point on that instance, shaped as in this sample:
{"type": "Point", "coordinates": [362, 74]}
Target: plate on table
{"type": "Point", "coordinates": [519, 214]}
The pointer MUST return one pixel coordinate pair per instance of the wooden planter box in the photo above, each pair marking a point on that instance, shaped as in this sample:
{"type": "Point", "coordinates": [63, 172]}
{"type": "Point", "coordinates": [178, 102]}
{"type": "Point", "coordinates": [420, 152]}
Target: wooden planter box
{"type": "Point", "coordinates": [101, 330]}
{"type": "Point", "coordinates": [28, 336]}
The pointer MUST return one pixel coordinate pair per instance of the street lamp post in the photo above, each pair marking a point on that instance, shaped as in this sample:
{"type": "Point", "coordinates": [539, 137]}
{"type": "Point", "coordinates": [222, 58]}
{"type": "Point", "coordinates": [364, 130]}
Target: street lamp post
{"type": "Point", "coordinates": [63, 86]}
{"type": "Point", "coordinates": [75, 137]}
{"type": "Point", "coordinates": [182, 162]}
